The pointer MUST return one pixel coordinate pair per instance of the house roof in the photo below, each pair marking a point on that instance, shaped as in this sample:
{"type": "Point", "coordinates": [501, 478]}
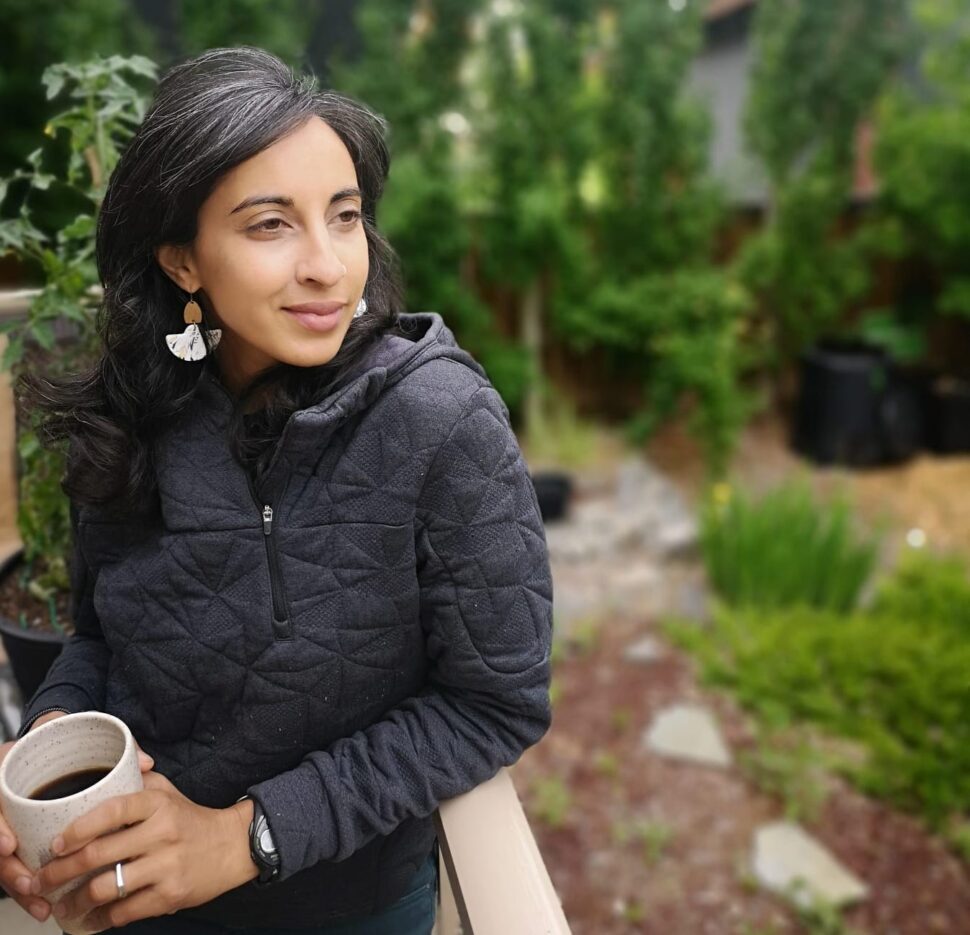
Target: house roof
{"type": "Point", "coordinates": [716, 9]}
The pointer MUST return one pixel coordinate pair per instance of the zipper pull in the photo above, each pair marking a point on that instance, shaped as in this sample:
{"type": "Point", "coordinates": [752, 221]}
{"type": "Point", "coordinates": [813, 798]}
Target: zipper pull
{"type": "Point", "coordinates": [267, 520]}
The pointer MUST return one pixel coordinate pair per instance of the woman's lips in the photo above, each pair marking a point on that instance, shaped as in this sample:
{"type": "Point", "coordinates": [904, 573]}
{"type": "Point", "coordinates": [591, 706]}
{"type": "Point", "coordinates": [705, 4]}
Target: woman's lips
{"type": "Point", "coordinates": [316, 321]}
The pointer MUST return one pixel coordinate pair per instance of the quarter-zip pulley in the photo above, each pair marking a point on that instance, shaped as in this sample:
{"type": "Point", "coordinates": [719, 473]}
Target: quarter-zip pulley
{"type": "Point", "coordinates": [282, 627]}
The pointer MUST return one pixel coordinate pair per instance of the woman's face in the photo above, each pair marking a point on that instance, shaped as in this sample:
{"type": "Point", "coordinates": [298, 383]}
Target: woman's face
{"type": "Point", "coordinates": [281, 229]}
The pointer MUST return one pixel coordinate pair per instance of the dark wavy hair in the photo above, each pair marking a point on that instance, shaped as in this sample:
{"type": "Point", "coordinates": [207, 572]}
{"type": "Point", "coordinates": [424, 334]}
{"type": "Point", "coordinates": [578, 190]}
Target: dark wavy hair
{"type": "Point", "coordinates": [208, 114]}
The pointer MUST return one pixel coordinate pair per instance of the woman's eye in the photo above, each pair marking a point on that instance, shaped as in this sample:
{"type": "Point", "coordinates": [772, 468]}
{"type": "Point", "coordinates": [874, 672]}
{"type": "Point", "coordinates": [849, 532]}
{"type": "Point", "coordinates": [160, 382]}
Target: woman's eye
{"type": "Point", "coordinates": [350, 216]}
{"type": "Point", "coordinates": [264, 225]}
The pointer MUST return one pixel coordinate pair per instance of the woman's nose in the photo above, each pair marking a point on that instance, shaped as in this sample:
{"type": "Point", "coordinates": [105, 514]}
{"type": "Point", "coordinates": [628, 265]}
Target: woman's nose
{"type": "Point", "coordinates": [320, 261]}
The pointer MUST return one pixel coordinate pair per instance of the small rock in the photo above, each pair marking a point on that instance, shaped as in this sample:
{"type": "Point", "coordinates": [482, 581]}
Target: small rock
{"type": "Point", "coordinates": [678, 539]}
{"type": "Point", "coordinates": [688, 732]}
{"type": "Point", "coordinates": [643, 650]}
{"type": "Point", "coordinates": [785, 854]}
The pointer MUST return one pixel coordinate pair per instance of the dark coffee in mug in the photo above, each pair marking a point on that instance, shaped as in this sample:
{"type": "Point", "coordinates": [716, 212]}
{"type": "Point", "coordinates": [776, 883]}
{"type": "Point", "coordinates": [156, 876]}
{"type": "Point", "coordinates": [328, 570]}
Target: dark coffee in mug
{"type": "Point", "coordinates": [71, 783]}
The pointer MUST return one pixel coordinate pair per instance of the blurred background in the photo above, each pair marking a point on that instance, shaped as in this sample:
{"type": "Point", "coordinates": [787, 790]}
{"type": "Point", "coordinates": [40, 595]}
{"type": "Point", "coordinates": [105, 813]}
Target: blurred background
{"type": "Point", "coordinates": [714, 256]}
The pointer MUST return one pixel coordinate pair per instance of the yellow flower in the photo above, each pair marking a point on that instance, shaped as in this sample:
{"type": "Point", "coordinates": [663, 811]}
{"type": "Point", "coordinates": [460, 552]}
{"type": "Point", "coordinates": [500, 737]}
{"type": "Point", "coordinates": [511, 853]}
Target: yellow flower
{"type": "Point", "coordinates": [722, 493]}
{"type": "Point", "coordinates": [49, 130]}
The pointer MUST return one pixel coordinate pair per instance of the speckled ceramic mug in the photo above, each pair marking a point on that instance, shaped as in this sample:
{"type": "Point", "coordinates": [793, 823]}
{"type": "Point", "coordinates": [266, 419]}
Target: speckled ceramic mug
{"type": "Point", "coordinates": [64, 745]}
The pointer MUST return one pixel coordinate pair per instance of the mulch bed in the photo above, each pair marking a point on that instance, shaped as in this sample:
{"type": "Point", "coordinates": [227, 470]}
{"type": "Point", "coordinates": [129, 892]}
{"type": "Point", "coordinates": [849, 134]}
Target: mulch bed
{"type": "Point", "coordinates": [701, 883]}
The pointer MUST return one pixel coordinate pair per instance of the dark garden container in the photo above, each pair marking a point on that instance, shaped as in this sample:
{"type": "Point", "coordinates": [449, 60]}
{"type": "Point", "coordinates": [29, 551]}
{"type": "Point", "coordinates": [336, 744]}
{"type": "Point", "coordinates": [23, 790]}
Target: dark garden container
{"type": "Point", "coordinates": [854, 408]}
{"type": "Point", "coordinates": [553, 491]}
{"type": "Point", "coordinates": [949, 429]}
{"type": "Point", "coordinates": [31, 652]}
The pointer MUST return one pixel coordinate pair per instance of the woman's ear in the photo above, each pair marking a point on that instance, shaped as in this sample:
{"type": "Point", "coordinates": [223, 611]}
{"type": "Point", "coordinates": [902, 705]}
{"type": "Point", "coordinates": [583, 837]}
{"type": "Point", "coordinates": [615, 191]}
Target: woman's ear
{"type": "Point", "coordinates": [178, 265]}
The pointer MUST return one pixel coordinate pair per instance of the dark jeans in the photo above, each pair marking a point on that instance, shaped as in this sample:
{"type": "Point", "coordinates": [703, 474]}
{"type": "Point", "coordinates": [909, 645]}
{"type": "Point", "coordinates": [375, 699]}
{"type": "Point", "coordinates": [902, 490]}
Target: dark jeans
{"type": "Point", "coordinates": [412, 914]}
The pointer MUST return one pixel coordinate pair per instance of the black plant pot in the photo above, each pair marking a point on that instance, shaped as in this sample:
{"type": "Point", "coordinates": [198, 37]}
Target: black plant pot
{"type": "Point", "coordinates": [31, 652]}
{"type": "Point", "coordinates": [855, 407]}
{"type": "Point", "coordinates": [949, 431]}
{"type": "Point", "coordinates": [553, 491]}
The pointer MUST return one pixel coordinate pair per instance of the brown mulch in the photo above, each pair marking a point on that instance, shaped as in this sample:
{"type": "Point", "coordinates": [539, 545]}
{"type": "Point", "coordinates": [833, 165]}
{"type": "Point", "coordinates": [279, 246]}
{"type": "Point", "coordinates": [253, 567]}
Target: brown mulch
{"type": "Point", "coordinates": [928, 492]}
{"type": "Point", "coordinates": [701, 883]}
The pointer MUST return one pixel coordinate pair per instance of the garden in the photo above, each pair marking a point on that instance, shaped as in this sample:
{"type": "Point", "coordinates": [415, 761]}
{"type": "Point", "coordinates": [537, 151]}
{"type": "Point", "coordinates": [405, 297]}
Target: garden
{"type": "Point", "coordinates": [740, 378]}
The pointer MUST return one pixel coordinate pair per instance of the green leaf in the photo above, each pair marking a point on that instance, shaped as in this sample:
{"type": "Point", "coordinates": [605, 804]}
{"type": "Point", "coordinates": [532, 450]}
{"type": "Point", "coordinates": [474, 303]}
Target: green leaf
{"type": "Point", "coordinates": [82, 226]}
{"type": "Point", "coordinates": [43, 332]}
{"type": "Point", "coordinates": [12, 353]}
{"type": "Point", "coordinates": [27, 445]}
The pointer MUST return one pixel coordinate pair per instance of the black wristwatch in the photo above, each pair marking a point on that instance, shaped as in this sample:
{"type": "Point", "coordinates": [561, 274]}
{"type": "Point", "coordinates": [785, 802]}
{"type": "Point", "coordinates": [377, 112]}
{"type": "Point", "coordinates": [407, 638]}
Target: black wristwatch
{"type": "Point", "coordinates": [262, 848]}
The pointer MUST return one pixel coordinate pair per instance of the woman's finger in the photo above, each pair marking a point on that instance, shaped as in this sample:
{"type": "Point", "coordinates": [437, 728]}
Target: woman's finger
{"type": "Point", "coordinates": [13, 874]}
{"type": "Point", "coordinates": [102, 889]}
{"type": "Point", "coordinates": [147, 903]}
{"type": "Point", "coordinates": [103, 851]}
{"type": "Point", "coordinates": [110, 815]}
{"type": "Point", "coordinates": [39, 908]}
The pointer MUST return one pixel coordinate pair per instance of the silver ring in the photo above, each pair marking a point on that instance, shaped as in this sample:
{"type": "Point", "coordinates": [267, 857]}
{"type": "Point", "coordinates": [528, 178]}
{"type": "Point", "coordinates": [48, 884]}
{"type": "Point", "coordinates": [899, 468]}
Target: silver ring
{"type": "Point", "coordinates": [120, 881]}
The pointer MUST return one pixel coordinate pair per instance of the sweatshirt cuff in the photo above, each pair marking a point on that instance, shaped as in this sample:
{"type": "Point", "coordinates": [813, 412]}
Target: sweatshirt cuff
{"type": "Point", "coordinates": [285, 799]}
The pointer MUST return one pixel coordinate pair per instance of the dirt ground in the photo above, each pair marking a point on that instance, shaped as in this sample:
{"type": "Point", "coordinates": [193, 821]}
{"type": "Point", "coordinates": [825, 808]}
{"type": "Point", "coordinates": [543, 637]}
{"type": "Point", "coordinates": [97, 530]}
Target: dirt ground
{"type": "Point", "coordinates": [928, 492]}
{"type": "Point", "coordinates": [639, 844]}
{"type": "Point", "coordinates": [643, 844]}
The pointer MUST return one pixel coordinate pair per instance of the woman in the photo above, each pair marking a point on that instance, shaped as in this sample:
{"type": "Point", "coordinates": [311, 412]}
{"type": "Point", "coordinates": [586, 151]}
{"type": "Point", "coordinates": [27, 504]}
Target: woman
{"type": "Point", "coordinates": [310, 571]}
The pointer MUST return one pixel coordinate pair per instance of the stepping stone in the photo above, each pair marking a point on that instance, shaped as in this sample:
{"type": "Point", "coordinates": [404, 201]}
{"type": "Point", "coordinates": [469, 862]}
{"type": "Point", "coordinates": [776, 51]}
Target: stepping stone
{"type": "Point", "coordinates": [645, 649]}
{"type": "Point", "coordinates": [784, 854]}
{"type": "Point", "coordinates": [679, 538]}
{"type": "Point", "coordinates": [687, 732]}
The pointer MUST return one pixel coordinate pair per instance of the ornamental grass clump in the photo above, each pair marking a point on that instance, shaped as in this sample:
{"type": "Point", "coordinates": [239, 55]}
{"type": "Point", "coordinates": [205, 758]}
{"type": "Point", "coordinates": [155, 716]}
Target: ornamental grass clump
{"type": "Point", "coordinates": [786, 549]}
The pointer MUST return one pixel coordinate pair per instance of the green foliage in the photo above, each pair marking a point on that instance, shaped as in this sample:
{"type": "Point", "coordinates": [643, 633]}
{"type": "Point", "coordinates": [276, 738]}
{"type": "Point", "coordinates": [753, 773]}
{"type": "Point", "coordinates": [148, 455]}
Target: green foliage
{"type": "Point", "coordinates": [684, 331]}
{"type": "Point", "coordinates": [805, 53]}
{"type": "Point", "coordinates": [803, 273]}
{"type": "Point", "coordinates": [551, 801]}
{"type": "Point", "coordinates": [281, 28]}
{"type": "Point", "coordinates": [818, 916]}
{"type": "Point", "coordinates": [818, 68]}
{"type": "Point", "coordinates": [104, 108]}
{"type": "Point", "coordinates": [904, 341]}
{"type": "Point", "coordinates": [890, 677]}
{"type": "Point", "coordinates": [564, 439]}
{"type": "Point", "coordinates": [641, 282]}
{"type": "Point", "coordinates": [38, 33]}
{"type": "Point", "coordinates": [923, 153]}
{"type": "Point", "coordinates": [930, 589]}
{"type": "Point", "coordinates": [410, 72]}
{"type": "Point", "coordinates": [785, 549]}
{"type": "Point", "coordinates": [785, 763]}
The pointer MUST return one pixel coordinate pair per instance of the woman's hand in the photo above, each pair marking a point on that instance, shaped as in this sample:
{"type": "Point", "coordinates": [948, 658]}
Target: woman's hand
{"type": "Point", "coordinates": [175, 854]}
{"type": "Point", "coordinates": [15, 878]}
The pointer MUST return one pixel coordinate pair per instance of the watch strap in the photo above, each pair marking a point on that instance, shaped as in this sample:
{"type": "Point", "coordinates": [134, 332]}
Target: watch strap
{"type": "Point", "coordinates": [262, 848]}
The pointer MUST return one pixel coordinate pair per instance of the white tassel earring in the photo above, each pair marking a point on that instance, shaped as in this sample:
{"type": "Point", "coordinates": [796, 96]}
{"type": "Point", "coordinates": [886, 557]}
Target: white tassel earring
{"type": "Point", "coordinates": [189, 344]}
{"type": "Point", "coordinates": [361, 307]}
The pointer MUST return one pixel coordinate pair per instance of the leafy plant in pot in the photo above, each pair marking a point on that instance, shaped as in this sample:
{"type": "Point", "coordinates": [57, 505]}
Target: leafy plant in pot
{"type": "Point", "coordinates": [58, 334]}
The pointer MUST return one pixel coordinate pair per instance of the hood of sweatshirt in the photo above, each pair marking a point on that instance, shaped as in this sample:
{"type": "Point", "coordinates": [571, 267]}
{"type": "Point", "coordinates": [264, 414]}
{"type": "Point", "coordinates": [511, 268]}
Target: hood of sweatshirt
{"type": "Point", "coordinates": [420, 337]}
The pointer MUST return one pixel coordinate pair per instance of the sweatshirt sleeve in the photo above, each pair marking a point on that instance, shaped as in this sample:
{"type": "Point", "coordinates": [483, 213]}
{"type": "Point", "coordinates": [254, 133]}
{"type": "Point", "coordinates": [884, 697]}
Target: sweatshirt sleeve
{"type": "Point", "coordinates": [76, 680]}
{"type": "Point", "coordinates": [486, 611]}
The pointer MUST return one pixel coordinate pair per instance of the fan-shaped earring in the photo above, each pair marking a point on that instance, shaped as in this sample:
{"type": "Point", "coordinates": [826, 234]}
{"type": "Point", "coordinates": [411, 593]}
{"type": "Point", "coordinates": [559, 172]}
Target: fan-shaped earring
{"type": "Point", "coordinates": [189, 344]}
{"type": "Point", "coordinates": [361, 307]}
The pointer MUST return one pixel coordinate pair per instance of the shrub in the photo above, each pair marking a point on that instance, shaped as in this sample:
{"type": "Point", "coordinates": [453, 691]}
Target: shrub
{"type": "Point", "coordinates": [784, 550]}
{"type": "Point", "coordinates": [893, 677]}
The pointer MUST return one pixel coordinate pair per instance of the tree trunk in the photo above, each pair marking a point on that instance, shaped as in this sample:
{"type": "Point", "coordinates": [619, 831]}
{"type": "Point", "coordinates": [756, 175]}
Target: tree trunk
{"type": "Point", "coordinates": [531, 336]}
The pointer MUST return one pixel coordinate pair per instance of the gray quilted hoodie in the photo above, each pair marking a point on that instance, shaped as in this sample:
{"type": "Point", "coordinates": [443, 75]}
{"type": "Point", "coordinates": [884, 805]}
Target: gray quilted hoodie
{"type": "Point", "coordinates": [365, 636]}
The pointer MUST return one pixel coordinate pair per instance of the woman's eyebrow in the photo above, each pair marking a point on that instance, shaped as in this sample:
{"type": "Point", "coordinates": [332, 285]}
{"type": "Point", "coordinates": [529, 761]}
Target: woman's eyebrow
{"type": "Point", "coordinates": [288, 202]}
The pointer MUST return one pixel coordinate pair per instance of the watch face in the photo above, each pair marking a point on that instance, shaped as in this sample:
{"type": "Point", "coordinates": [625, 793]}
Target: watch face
{"type": "Point", "coordinates": [263, 844]}
{"type": "Point", "coordinates": [266, 844]}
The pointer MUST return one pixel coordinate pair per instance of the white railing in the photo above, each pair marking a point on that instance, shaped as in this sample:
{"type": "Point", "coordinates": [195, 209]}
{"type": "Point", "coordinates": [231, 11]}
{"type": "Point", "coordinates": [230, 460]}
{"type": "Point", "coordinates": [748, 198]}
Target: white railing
{"type": "Point", "coordinates": [493, 879]}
